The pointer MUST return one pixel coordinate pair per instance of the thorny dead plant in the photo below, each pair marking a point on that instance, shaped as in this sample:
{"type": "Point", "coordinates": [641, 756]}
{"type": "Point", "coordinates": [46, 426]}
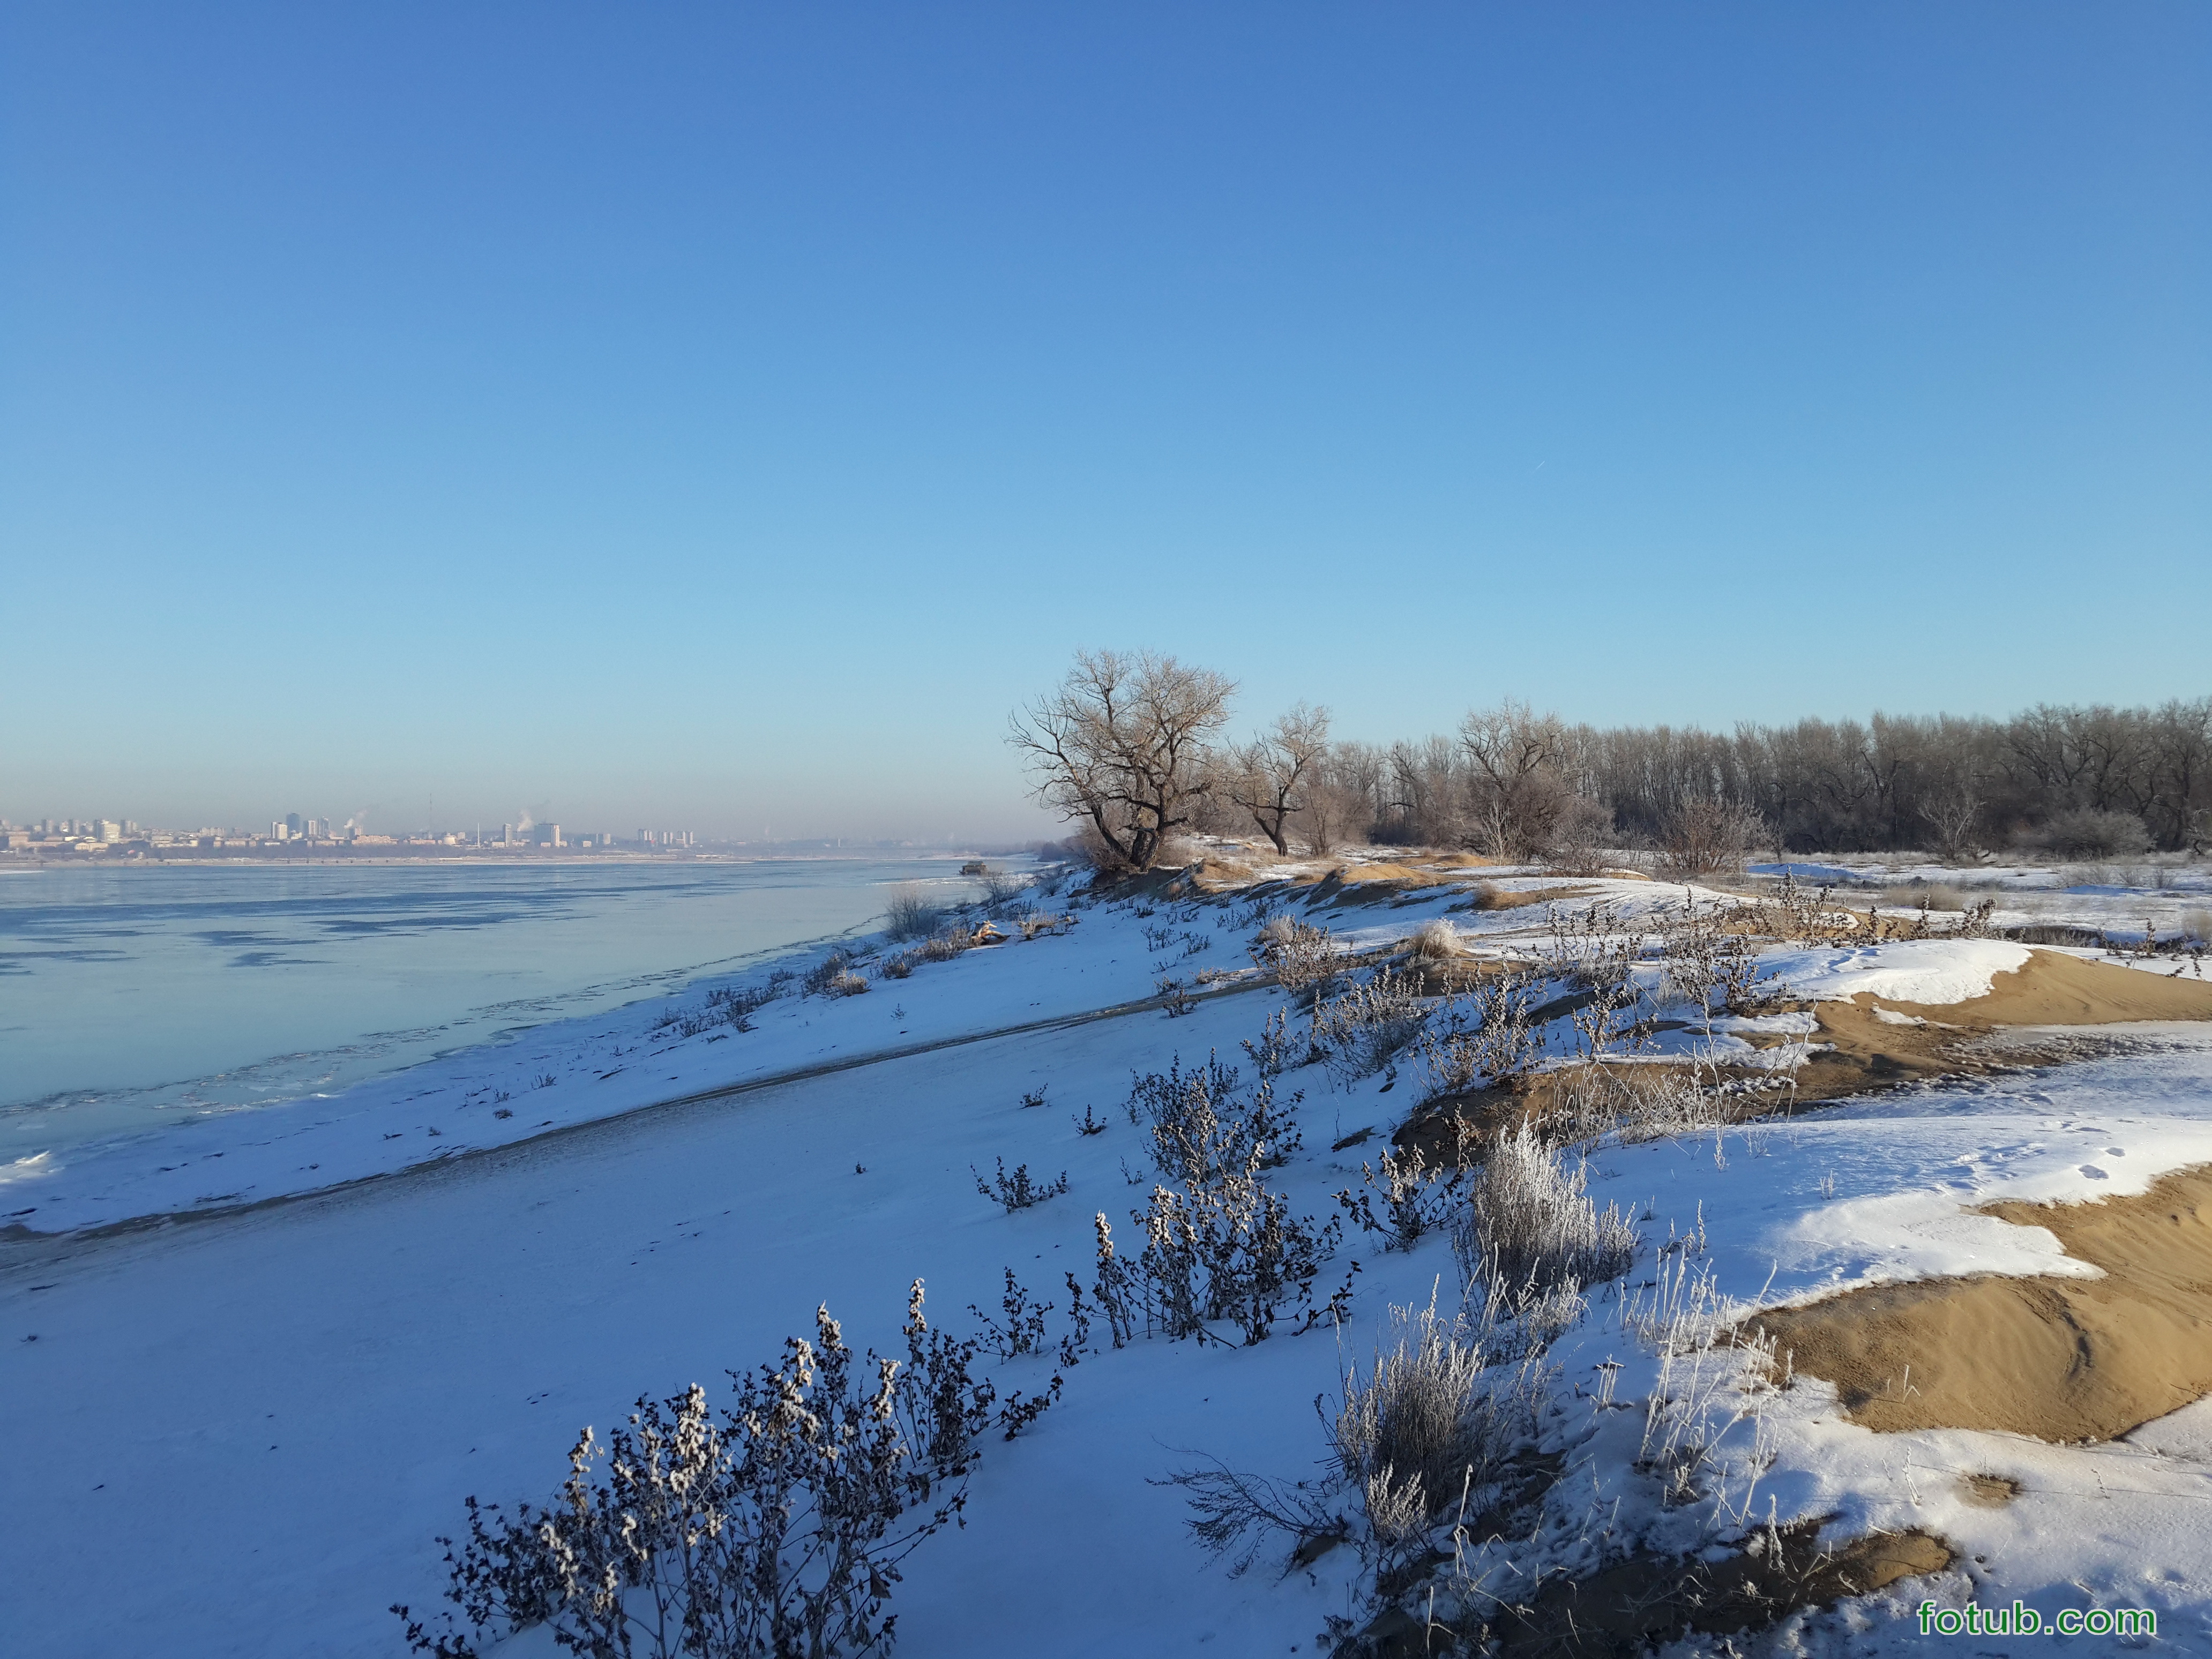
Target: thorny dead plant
{"type": "Point", "coordinates": [1418, 1198]}
{"type": "Point", "coordinates": [1223, 1246]}
{"type": "Point", "coordinates": [1361, 1030]}
{"type": "Point", "coordinates": [1235, 1513]}
{"type": "Point", "coordinates": [1018, 1191]}
{"type": "Point", "coordinates": [1486, 1037]}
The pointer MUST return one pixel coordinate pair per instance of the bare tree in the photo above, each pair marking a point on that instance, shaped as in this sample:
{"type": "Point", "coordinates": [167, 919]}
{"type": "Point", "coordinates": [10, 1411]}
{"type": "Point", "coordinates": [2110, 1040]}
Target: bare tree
{"type": "Point", "coordinates": [1272, 777]}
{"type": "Point", "coordinates": [1123, 746]}
{"type": "Point", "coordinates": [1952, 812]}
{"type": "Point", "coordinates": [1519, 788]}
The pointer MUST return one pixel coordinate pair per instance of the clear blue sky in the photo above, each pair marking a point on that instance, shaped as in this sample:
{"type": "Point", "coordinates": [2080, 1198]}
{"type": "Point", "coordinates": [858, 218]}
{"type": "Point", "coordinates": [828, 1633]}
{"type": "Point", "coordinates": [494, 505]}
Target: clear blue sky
{"type": "Point", "coordinates": [723, 416]}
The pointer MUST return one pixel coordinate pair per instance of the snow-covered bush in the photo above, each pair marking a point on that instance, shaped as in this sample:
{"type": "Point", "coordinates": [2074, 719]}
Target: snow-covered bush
{"type": "Point", "coordinates": [770, 1529]}
{"type": "Point", "coordinates": [774, 1527]}
{"type": "Point", "coordinates": [1531, 1226]}
{"type": "Point", "coordinates": [1435, 1418]}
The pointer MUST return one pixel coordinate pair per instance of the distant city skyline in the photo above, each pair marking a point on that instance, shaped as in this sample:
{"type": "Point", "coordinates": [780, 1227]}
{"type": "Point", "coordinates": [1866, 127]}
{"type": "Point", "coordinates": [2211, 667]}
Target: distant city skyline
{"type": "Point", "coordinates": [728, 416]}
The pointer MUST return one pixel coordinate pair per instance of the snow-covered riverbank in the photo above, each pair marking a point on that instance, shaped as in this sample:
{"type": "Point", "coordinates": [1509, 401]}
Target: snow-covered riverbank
{"type": "Point", "coordinates": [245, 1432]}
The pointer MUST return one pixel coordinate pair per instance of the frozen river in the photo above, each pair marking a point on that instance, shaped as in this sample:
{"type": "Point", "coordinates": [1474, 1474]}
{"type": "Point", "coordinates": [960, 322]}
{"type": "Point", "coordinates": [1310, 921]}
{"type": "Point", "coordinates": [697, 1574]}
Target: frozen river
{"type": "Point", "coordinates": [129, 996]}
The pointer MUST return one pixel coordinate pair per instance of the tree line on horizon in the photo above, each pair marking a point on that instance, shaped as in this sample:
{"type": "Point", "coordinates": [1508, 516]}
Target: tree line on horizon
{"type": "Point", "coordinates": [1131, 748]}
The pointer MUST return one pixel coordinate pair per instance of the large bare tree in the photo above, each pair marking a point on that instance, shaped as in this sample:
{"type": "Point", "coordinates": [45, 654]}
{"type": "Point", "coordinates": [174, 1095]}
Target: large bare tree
{"type": "Point", "coordinates": [1124, 746]}
{"type": "Point", "coordinates": [1272, 777]}
{"type": "Point", "coordinates": [1515, 768]}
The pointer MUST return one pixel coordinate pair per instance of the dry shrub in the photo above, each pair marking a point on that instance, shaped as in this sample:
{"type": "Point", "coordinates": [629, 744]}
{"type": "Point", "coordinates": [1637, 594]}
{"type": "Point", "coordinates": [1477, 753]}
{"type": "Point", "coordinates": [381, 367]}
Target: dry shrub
{"type": "Point", "coordinates": [1533, 1229]}
{"type": "Point", "coordinates": [833, 976]}
{"type": "Point", "coordinates": [1226, 1247]}
{"type": "Point", "coordinates": [1434, 1417]}
{"type": "Point", "coordinates": [1582, 837]}
{"type": "Point", "coordinates": [1018, 1191]}
{"type": "Point", "coordinates": [1364, 1029]}
{"type": "Point", "coordinates": [946, 946]}
{"type": "Point", "coordinates": [1707, 838]}
{"type": "Point", "coordinates": [2196, 925]}
{"type": "Point", "coordinates": [1393, 875]}
{"type": "Point", "coordinates": [910, 914]}
{"type": "Point", "coordinates": [1298, 955]}
{"type": "Point", "coordinates": [1435, 941]}
{"type": "Point", "coordinates": [1923, 895]}
{"type": "Point", "coordinates": [1001, 887]}
{"type": "Point", "coordinates": [1486, 1037]}
{"type": "Point", "coordinates": [2083, 832]}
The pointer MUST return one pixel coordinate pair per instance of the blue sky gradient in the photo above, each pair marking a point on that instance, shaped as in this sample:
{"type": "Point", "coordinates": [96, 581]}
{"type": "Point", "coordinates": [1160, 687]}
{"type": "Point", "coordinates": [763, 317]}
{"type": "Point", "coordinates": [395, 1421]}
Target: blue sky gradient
{"type": "Point", "coordinates": [724, 415]}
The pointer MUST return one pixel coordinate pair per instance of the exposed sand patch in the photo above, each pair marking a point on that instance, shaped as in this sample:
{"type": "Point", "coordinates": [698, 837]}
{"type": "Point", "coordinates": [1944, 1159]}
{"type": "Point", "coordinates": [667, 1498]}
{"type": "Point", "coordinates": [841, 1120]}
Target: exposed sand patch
{"type": "Point", "coordinates": [1369, 883]}
{"type": "Point", "coordinates": [1988, 1491]}
{"type": "Point", "coordinates": [1503, 898]}
{"type": "Point", "coordinates": [1864, 1044]}
{"type": "Point", "coordinates": [1875, 1041]}
{"type": "Point", "coordinates": [2059, 1359]}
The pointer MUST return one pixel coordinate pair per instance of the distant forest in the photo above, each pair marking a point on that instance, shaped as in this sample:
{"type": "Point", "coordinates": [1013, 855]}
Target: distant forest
{"type": "Point", "coordinates": [2092, 781]}
{"type": "Point", "coordinates": [1131, 748]}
